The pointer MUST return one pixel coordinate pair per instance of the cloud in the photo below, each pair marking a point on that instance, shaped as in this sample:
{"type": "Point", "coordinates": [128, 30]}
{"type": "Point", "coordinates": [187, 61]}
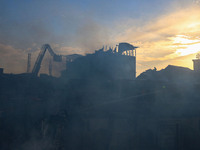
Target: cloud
{"type": "Point", "coordinates": [12, 60]}
{"type": "Point", "coordinates": [156, 38]}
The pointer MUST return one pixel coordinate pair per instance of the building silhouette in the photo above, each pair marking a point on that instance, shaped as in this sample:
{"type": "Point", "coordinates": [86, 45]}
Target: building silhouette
{"type": "Point", "coordinates": [118, 63]}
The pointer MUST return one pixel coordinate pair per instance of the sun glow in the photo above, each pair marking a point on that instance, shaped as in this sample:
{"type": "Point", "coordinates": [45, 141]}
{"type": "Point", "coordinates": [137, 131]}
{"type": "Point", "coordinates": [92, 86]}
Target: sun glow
{"type": "Point", "coordinates": [185, 45]}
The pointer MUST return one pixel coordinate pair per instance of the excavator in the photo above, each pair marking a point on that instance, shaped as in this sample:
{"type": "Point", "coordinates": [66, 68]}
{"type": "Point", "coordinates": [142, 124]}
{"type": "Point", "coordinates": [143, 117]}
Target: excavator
{"type": "Point", "coordinates": [45, 47]}
{"type": "Point", "coordinates": [57, 58]}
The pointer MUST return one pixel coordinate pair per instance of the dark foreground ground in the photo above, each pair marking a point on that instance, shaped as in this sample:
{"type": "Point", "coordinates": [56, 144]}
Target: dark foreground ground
{"type": "Point", "coordinates": [46, 113]}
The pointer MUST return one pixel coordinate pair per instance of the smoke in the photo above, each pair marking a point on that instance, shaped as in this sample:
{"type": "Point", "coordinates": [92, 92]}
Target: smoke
{"type": "Point", "coordinates": [92, 36]}
{"type": "Point", "coordinates": [13, 60]}
{"type": "Point", "coordinates": [25, 27]}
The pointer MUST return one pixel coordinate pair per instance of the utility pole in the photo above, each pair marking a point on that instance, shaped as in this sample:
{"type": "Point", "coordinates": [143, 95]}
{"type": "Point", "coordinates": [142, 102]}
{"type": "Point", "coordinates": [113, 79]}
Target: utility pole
{"type": "Point", "coordinates": [29, 63]}
{"type": "Point", "coordinates": [50, 67]}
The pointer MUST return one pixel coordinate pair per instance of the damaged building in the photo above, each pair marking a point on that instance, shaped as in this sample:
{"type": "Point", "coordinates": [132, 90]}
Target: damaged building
{"type": "Point", "coordinates": [118, 63]}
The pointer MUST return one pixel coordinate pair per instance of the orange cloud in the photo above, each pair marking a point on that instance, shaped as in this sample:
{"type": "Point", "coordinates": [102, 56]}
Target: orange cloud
{"type": "Point", "coordinates": [166, 38]}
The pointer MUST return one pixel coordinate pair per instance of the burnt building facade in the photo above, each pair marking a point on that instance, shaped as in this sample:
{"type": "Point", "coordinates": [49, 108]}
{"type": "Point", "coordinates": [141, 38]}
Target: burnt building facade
{"type": "Point", "coordinates": [118, 63]}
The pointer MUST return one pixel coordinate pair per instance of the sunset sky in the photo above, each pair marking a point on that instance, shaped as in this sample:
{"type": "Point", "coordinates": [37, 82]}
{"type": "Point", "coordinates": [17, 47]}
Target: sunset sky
{"type": "Point", "coordinates": [167, 31]}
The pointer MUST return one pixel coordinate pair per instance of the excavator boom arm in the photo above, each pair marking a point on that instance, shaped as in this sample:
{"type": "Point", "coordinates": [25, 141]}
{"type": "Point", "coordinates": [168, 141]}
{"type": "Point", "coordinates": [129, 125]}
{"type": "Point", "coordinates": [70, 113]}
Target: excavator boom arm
{"type": "Point", "coordinates": [40, 57]}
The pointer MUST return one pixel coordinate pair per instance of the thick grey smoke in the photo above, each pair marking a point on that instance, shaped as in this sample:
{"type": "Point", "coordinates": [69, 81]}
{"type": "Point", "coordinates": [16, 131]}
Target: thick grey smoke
{"type": "Point", "coordinates": [92, 36]}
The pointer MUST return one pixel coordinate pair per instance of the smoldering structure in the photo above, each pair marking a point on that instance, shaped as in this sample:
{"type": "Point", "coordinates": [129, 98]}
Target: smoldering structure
{"type": "Point", "coordinates": [158, 110]}
{"type": "Point", "coordinates": [115, 64]}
